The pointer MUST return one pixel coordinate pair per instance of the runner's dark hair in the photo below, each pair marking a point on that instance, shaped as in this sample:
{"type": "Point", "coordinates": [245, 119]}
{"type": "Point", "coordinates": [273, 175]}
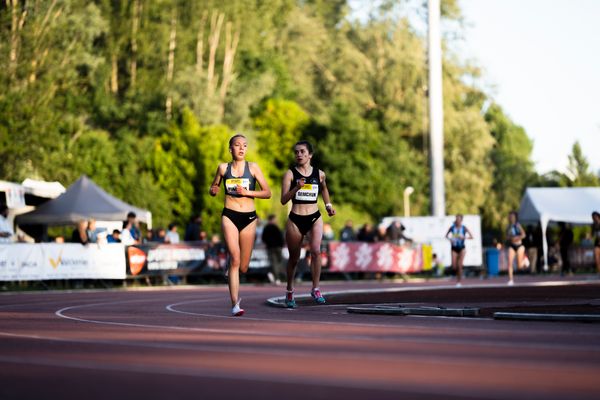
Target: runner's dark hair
{"type": "Point", "coordinates": [305, 143]}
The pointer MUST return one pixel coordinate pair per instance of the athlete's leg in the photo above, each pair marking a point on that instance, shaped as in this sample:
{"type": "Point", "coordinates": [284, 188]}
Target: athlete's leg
{"type": "Point", "coordinates": [316, 236]}
{"type": "Point", "coordinates": [454, 262]}
{"type": "Point", "coordinates": [293, 239]}
{"type": "Point", "coordinates": [231, 236]}
{"type": "Point", "coordinates": [247, 236]}
{"type": "Point", "coordinates": [520, 257]}
{"type": "Point", "coordinates": [511, 260]}
{"type": "Point", "coordinates": [460, 260]}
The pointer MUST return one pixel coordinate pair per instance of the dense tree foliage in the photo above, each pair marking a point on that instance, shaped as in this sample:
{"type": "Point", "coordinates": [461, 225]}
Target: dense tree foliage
{"type": "Point", "coordinates": [143, 96]}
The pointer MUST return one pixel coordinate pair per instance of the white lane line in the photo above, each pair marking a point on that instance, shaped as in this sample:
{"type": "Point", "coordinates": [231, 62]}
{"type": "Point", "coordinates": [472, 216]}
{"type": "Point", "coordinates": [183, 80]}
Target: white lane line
{"type": "Point", "coordinates": [512, 344]}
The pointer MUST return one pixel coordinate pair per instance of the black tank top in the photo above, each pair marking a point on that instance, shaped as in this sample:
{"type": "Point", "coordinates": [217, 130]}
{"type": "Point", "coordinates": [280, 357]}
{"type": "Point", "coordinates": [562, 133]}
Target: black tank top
{"type": "Point", "coordinates": [247, 181]}
{"type": "Point", "coordinates": [309, 193]}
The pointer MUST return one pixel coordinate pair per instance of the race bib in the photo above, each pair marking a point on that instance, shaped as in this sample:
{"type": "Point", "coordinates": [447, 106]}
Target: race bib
{"type": "Point", "coordinates": [308, 192]}
{"type": "Point", "coordinates": [231, 184]}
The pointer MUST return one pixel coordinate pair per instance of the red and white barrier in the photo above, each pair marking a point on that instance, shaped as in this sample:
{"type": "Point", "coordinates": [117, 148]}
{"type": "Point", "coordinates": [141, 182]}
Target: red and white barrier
{"type": "Point", "coordinates": [374, 257]}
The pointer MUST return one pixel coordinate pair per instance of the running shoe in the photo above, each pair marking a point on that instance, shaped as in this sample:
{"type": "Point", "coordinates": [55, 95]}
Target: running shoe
{"type": "Point", "coordinates": [317, 296]}
{"type": "Point", "coordinates": [237, 311]}
{"type": "Point", "coordinates": [510, 283]}
{"type": "Point", "coordinates": [289, 300]}
{"type": "Point", "coordinates": [458, 284]}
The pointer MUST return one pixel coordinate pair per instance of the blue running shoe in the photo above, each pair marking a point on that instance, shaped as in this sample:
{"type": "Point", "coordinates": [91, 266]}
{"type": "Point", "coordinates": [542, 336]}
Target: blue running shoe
{"type": "Point", "coordinates": [289, 300]}
{"type": "Point", "coordinates": [317, 296]}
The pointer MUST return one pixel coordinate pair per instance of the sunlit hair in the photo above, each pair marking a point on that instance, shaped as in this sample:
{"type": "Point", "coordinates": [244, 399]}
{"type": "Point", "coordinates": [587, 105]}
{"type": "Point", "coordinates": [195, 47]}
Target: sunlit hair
{"type": "Point", "coordinates": [305, 143]}
{"type": "Point", "coordinates": [239, 135]}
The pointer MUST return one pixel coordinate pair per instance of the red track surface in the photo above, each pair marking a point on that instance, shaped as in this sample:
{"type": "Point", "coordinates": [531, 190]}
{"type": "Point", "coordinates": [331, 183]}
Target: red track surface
{"type": "Point", "coordinates": [181, 343]}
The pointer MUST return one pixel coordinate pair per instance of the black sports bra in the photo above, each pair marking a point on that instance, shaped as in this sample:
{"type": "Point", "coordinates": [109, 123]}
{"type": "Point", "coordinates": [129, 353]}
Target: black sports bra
{"type": "Point", "coordinates": [247, 181]}
{"type": "Point", "coordinates": [309, 193]}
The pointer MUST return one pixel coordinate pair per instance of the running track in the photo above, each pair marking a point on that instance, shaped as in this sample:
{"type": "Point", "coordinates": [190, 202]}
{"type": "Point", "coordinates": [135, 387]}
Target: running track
{"type": "Point", "coordinates": [180, 343]}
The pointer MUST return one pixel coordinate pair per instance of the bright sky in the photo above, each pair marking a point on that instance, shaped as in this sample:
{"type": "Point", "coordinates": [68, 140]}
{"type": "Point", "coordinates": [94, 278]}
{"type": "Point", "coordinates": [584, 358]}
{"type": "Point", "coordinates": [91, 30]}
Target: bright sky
{"type": "Point", "coordinates": [542, 58]}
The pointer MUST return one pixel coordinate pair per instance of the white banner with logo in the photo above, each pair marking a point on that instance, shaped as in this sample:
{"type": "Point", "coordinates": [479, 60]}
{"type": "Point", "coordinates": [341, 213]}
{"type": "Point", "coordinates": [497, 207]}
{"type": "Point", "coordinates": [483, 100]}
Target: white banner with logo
{"type": "Point", "coordinates": [29, 262]}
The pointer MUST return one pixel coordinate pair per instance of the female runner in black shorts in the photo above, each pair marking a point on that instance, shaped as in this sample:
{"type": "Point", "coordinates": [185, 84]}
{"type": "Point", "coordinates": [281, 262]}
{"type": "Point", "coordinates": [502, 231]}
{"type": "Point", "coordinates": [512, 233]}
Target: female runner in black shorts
{"type": "Point", "coordinates": [515, 235]}
{"type": "Point", "coordinates": [302, 185]}
{"type": "Point", "coordinates": [238, 219]}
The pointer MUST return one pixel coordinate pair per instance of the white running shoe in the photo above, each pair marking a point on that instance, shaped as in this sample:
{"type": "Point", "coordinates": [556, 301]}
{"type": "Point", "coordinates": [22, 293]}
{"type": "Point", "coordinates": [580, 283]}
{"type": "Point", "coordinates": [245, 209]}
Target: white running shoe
{"type": "Point", "coordinates": [510, 283]}
{"type": "Point", "coordinates": [458, 284]}
{"type": "Point", "coordinates": [237, 311]}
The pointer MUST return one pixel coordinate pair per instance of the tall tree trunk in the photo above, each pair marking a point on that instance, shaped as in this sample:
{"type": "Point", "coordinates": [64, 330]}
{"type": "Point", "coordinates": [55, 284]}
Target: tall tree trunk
{"type": "Point", "coordinates": [231, 43]}
{"type": "Point", "coordinates": [200, 43]}
{"type": "Point", "coordinates": [135, 22]}
{"type": "Point", "coordinates": [14, 37]}
{"type": "Point", "coordinates": [216, 21]}
{"type": "Point", "coordinates": [171, 63]}
{"type": "Point", "coordinates": [114, 73]}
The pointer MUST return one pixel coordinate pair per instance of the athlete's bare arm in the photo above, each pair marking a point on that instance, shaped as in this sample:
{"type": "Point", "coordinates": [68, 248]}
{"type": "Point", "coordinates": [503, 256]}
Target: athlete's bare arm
{"type": "Point", "coordinates": [287, 192]}
{"type": "Point", "coordinates": [214, 188]}
{"type": "Point", "coordinates": [325, 194]}
{"type": "Point", "coordinates": [469, 235]}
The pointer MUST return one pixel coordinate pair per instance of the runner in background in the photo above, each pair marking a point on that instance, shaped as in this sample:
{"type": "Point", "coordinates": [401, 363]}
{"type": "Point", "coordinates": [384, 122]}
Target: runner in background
{"type": "Point", "coordinates": [457, 234]}
{"type": "Point", "coordinates": [238, 219]}
{"type": "Point", "coordinates": [515, 236]}
{"type": "Point", "coordinates": [302, 185]}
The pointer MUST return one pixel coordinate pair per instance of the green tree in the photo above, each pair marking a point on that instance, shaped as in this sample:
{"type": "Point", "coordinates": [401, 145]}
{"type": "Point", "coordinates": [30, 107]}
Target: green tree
{"type": "Point", "coordinates": [512, 168]}
{"type": "Point", "coordinates": [578, 170]}
{"type": "Point", "coordinates": [279, 125]}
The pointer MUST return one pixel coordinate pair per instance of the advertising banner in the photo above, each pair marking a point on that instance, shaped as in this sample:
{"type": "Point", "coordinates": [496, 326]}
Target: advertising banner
{"type": "Point", "coordinates": [26, 262]}
{"type": "Point", "coordinates": [373, 257]}
{"type": "Point", "coordinates": [165, 259]}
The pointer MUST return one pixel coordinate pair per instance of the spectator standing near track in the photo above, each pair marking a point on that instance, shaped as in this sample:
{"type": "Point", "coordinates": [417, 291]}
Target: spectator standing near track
{"type": "Point", "coordinates": [6, 230]}
{"type": "Point", "coordinates": [193, 229]}
{"type": "Point", "coordinates": [172, 236]}
{"type": "Point", "coordinates": [301, 185]}
{"type": "Point", "coordinates": [115, 237]}
{"type": "Point", "coordinates": [457, 234]}
{"type": "Point", "coordinates": [395, 232]}
{"type": "Point", "coordinates": [239, 218]}
{"type": "Point", "coordinates": [80, 233]}
{"type": "Point", "coordinates": [347, 234]}
{"type": "Point", "coordinates": [515, 235]}
{"type": "Point", "coordinates": [565, 241]}
{"type": "Point", "coordinates": [272, 237]}
{"type": "Point", "coordinates": [367, 233]}
{"type": "Point", "coordinates": [132, 225]}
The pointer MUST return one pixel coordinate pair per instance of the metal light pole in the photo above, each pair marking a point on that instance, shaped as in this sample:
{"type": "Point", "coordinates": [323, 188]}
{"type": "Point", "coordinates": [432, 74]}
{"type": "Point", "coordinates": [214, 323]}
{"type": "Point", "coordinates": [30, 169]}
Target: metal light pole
{"type": "Point", "coordinates": [407, 192]}
{"type": "Point", "coordinates": [436, 111]}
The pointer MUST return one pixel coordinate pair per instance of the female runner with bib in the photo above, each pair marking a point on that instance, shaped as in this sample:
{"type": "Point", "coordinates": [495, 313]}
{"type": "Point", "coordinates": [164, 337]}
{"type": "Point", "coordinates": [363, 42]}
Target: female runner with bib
{"type": "Point", "coordinates": [302, 184]}
{"type": "Point", "coordinates": [238, 219]}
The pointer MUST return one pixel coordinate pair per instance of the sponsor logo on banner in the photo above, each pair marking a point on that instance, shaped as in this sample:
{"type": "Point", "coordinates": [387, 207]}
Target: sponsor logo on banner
{"type": "Point", "coordinates": [79, 260]}
{"type": "Point", "coordinates": [56, 262]}
{"type": "Point", "coordinates": [137, 259]}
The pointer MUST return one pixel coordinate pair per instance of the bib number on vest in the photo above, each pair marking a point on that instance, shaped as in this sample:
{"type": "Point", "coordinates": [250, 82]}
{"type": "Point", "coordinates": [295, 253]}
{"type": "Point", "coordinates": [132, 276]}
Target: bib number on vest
{"type": "Point", "coordinates": [231, 184]}
{"type": "Point", "coordinates": [308, 192]}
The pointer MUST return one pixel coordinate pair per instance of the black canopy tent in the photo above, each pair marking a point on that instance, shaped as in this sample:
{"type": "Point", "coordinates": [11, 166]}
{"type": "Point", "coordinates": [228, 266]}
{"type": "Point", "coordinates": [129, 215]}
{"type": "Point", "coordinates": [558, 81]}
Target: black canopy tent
{"type": "Point", "coordinates": [82, 200]}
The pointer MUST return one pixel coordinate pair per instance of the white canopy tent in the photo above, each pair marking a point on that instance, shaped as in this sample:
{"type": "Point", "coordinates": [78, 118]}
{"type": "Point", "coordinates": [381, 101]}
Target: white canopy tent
{"type": "Point", "coordinates": [572, 205]}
